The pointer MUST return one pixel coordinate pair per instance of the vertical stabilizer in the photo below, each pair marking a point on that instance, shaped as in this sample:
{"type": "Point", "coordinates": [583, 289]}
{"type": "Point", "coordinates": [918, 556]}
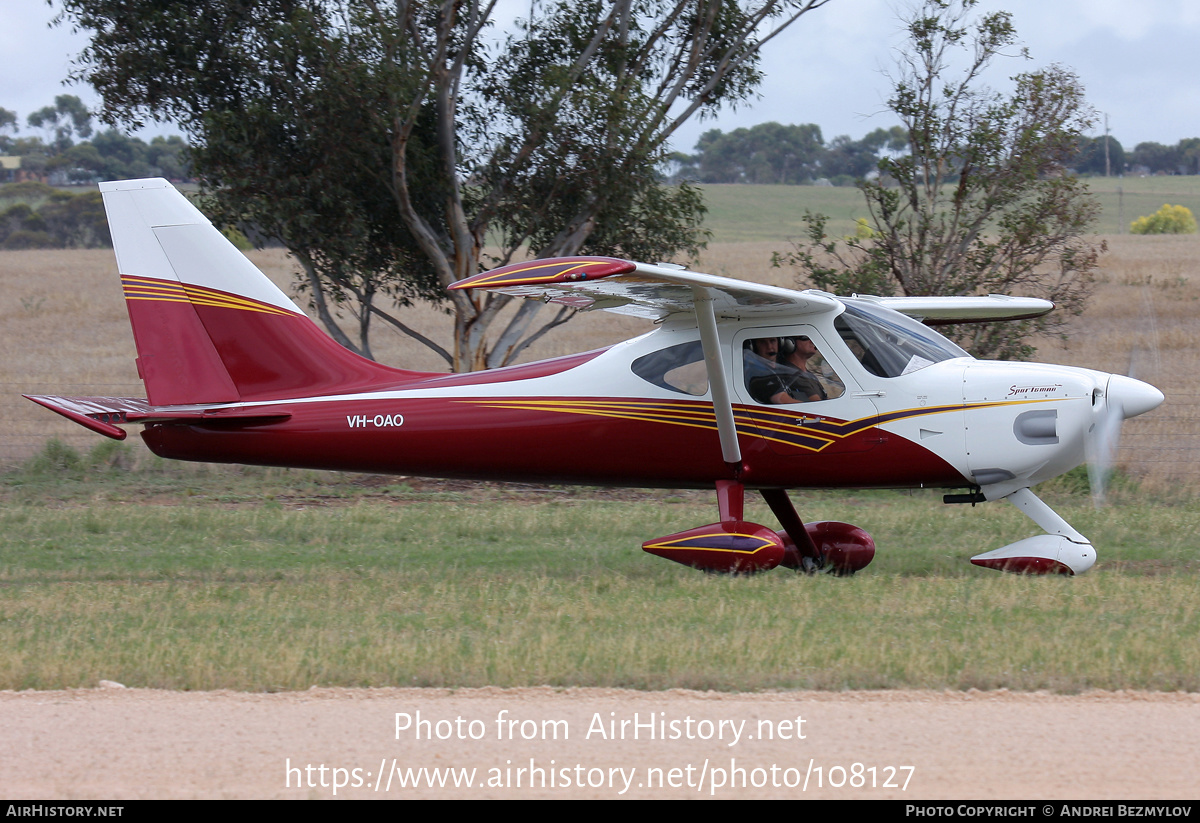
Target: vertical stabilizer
{"type": "Point", "coordinates": [209, 326]}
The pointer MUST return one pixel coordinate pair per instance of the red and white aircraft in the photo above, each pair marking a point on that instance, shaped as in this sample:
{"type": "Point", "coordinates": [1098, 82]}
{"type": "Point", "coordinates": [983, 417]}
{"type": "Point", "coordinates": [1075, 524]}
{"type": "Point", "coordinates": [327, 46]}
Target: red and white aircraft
{"type": "Point", "coordinates": [739, 386]}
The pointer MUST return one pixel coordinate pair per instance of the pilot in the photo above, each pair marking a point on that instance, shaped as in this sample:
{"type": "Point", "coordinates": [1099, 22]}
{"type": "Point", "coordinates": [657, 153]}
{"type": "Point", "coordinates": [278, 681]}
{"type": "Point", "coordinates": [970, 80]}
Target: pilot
{"type": "Point", "coordinates": [801, 385]}
{"type": "Point", "coordinates": [763, 375]}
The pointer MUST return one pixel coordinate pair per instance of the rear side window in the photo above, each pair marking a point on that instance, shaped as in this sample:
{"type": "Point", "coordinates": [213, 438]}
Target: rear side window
{"type": "Point", "coordinates": [677, 368]}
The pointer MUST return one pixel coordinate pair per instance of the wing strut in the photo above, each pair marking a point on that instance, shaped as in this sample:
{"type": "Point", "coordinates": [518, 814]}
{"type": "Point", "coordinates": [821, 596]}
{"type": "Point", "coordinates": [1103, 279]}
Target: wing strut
{"type": "Point", "coordinates": [718, 381]}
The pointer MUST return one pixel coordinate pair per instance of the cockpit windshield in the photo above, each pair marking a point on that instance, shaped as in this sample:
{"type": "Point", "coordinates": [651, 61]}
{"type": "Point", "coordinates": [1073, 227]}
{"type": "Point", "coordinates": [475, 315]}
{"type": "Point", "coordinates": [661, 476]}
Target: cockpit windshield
{"type": "Point", "coordinates": [890, 344]}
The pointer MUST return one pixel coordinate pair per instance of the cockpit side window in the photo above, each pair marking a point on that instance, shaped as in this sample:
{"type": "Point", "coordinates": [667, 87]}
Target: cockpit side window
{"type": "Point", "coordinates": [786, 370]}
{"type": "Point", "coordinates": [678, 368]}
{"type": "Point", "coordinates": [833, 385]}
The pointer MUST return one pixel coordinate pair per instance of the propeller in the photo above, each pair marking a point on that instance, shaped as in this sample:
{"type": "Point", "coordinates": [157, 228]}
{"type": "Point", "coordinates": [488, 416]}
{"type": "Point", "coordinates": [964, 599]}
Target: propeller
{"type": "Point", "coordinates": [1124, 397]}
{"type": "Point", "coordinates": [1103, 440]}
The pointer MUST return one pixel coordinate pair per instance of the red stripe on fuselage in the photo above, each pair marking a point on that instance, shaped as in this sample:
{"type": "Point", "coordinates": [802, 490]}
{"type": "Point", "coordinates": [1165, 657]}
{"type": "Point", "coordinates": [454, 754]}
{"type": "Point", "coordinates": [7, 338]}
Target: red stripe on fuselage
{"type": "Point", "coordinates": [446, 437]}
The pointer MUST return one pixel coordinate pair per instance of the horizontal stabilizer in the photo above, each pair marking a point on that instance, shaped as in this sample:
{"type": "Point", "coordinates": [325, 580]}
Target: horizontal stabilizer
{"type": "Point", "coordinates": [102, 414]}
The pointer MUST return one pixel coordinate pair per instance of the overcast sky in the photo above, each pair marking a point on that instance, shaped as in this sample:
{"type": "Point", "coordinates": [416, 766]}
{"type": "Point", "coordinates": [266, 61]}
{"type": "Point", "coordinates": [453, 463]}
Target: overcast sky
{"type": "Point", "coordinates": [1138, 59]}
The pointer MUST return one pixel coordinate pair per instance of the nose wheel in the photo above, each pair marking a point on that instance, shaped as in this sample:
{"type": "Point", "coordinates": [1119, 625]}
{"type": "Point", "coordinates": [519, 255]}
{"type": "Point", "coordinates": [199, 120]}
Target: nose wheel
{"type": "Point", "coordinates": [1061, 551]}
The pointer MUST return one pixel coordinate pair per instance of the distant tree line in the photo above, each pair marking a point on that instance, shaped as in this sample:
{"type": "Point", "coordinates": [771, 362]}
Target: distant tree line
{"type": "Point", "coordinates": [772, 153]}
{"type": "Point", "coordinates": [61, 148]}
{"type": "Point", "coordinates": [778, 154]}
{"type": "Point", "coordinates": [1155, 158]}
{"type": "Point", "coordinates": [36, 216]}
{"type": "Point", "coordinates": [64, 149]}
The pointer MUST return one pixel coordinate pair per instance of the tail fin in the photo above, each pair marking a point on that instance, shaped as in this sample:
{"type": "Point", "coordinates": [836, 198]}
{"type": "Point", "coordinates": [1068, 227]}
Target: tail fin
{"type": "Point", "coordinates": [209, 326]}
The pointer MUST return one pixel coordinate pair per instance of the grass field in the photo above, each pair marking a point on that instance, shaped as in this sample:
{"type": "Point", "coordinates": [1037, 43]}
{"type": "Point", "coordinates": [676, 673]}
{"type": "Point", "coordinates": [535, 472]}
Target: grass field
{"type": "Point", "coordinates": [114, 565]}
{"type": "Point", "coordinates": [197, 578]}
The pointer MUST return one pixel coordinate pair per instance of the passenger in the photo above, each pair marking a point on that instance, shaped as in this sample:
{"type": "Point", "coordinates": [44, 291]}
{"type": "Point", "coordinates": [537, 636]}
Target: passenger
{"type": "Point", "coordinates": [762, 371]}
{"type": "Point", "coordinates": [801, 385]}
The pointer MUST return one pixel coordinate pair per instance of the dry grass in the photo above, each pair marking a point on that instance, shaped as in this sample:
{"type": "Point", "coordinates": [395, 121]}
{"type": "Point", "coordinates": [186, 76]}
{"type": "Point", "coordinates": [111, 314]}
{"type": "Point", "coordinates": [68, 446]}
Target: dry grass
{"type": "Point", "coordinates": [1143, 320]}
{"type": "Point", "coordinates": [65, 332]}
{"type": "Point", "coordinates": [497, 630]}
{"type": "Point", "coordinates": [193, 593]}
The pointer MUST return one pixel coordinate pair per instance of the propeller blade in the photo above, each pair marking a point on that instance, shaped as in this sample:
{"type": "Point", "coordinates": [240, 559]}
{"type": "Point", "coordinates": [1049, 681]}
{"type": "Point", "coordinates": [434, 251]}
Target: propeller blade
{"type": "Point", "coordinates": [1103, 440]}
{"type": "Point", "coordinates": [1123, 398]}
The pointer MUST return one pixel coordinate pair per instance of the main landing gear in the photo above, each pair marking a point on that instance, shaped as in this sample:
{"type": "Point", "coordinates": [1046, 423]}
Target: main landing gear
{"type": "Point", "coordinates": [737, 546]}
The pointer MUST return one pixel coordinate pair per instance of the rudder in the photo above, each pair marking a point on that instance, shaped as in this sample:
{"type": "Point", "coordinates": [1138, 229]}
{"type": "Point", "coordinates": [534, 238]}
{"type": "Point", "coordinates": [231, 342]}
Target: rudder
{"type": "Point", "coordinates": [209, 326]}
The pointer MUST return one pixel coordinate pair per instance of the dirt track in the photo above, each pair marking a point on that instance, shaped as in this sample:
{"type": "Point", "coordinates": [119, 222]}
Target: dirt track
{"type": "Point", "coordinates": [123, 744]}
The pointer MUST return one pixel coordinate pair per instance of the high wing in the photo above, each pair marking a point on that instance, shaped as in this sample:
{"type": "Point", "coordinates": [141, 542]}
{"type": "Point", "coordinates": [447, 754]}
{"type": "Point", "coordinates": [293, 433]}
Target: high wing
{"type": "Point", "coordinates": [642, 290]}
{"type": "Point", "coordinates": [941, 311]}
{"type": "Point", "coordinates": [658, 291]}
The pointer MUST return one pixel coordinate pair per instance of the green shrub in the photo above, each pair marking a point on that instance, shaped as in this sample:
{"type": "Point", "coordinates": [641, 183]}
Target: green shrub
{"type": "Point", "coordinates": [1167, 220]}
{"type": "Point", "coordinates": [54, 458]}
{"type": "Point", "coordinates": [58, 459]}
{"type": "Point", "coordinates": [109, 455]}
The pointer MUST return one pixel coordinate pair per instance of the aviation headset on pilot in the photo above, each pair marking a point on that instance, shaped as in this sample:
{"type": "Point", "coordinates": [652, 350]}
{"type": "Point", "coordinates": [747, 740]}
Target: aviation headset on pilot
{"type": "Point", "coordinates": [787, 345]}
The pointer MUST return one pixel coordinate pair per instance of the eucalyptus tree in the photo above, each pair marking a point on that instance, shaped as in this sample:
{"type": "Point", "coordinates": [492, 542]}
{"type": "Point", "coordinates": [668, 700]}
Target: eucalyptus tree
{"type": "Point", "coordinates": [981, 200]}
{"type": "Point", "coordinates": [396, 146]}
